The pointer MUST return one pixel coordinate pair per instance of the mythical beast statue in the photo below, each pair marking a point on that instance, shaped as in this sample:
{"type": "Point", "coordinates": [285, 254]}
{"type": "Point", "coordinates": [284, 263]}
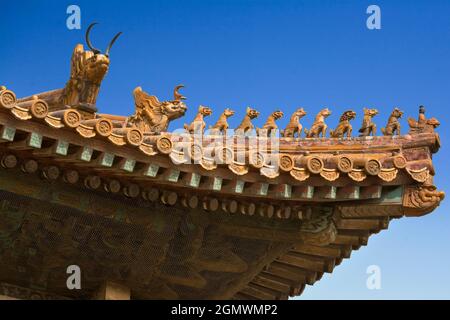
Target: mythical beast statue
{"type": "Point", "coordinates": [88, 68]}
{"type": "Point", "coordinates": [153, 116]}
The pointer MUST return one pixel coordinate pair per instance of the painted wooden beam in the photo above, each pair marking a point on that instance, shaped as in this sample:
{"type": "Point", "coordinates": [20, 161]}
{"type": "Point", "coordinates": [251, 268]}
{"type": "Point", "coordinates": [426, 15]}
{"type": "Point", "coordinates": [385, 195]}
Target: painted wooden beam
{"type": "Point", "coordinates": [326, 192]}
{"type": "Point", "coordinates": [303, 192]}
{"type": "Point", "coordinates": [33, 140]}
{"type": "Point", "coordinates": [59, 147]}
{"type": "Point", "coordinates": [370, 192]}
{"type": "Point", "coordinates": [191, 179]}
{"type": "Point", "coordinates": [348, 193]}
{"type": "Point", "coordinates": [7, 134]}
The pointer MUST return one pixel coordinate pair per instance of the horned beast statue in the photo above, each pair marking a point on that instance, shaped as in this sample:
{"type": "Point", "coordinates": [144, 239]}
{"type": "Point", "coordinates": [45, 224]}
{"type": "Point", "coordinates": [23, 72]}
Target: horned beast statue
{"type": "Point", "coordinates": [153, 116]}
{"type": "Point", "coordinates": [88, 68]}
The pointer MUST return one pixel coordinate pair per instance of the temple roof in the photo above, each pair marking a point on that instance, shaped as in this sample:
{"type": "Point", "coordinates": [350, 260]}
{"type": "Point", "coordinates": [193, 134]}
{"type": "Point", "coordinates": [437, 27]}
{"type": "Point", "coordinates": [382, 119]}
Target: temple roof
{"type": "Point", "coordinates": [255, 213]}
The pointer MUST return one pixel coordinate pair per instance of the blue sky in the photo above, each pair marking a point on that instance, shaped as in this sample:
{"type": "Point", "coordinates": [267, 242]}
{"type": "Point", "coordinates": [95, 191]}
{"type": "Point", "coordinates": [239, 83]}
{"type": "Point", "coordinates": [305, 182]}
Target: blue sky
{"type": "Point", "coordinates": [269, 55]}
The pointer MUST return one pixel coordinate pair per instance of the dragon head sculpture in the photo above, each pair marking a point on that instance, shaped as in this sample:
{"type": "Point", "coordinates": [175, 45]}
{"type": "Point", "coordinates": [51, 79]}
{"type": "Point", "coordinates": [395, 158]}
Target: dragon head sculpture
{"type": "Point", "coordinates": [397, 113]}
{"type": "Point", "coordinates": [348, 115]}
{"type": "Point", "coordinates": [277, 114]}
{"type": "Point", "coordinates": [228, 112]}
{"type": "Point", "coordinates": [370, 112]}
{"type": "Point", "coordinates": [153, 116]}
{"type": "Point", "coordinates": [252, 113]}
{"type": "Point", "coordinates": [300, 113]}
{"type": "Point", "coordinates": [204, 110]}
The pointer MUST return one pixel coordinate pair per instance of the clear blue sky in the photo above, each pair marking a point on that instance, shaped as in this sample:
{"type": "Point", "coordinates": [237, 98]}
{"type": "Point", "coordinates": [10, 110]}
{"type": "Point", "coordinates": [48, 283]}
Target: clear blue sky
{"type": "Point", "coordinates": [268, 54]}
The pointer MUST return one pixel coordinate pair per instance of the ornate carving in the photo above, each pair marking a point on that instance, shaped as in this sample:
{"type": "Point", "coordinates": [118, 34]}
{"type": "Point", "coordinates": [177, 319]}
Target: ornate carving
{"type": "Point", "coordinates": [198, 125]}
{"type": "Point", "coordinates": [164, 145]}
{"type": "Point", "coordinates": [357, 175]}
{"type": "Point", "coordinates": [329, 174]}
{"type": "Point", "coordinates": [208, 164]}
{"type": "Point", "coordinates": [269, 171]}
{"type": "Point", "coordinates": [420, 175]}
{"type": "Point", "coordinates": [319, 127]}
{"type": "Point", "coordinates": [344, 126]}
{"type": "Point", "coordinates": [422, 199]}
{"type": "Point", "coordinates": [71, 118]}
{"type": "Point", "coordinates": [399, 162]}
{"type": "Point", "coordinates": [134, 137]}
{"type": "Point", "coordinates": [294, 126]}
{"type": "Point", "coordinates": [345, 164]}
{"type": "Point", "coordinates": [103, 127]}
{"type": "Point", "coordinates": [7, 98]}
{"type": "Point", "coordinates": [393, 125]}
{"type": "Point", "coordinates": [368, 126]}
{"type": "Point", "coordinates": [314, 164]}
{"type": "Point", "coordinates": [222, 124]}
{"type": "Point", "coordinates": [257, 159]}
{"type": "Point", "coordinates": [246, 124]}
{"type": "Point", "coordinates": [372, 167]}
{"type": "Point", "coordinates": [319, 229]}
{"type": "Point", "coordinates": [39, 109]}
{"type": "Point", "coordinates": [388, 174]}
{"type": "Point", "coordinates": [88, 68]}
{"type": "Point", "coordinates": [196, 152]}
{"type": "Point", "coordinates": [286, 162]}
{"type": "Point", "coordinates": [270, 126]}
{"type": "Point", "coordinates": [423, 125]}
{"type": "Point", "coordinates": [224, 154]}
{"type": "Point", "coordinates": [238, 169]}
{"type": "Point", "coordinates": [153, 116]}
{"type": "Point", "coordinates": [299, 174]}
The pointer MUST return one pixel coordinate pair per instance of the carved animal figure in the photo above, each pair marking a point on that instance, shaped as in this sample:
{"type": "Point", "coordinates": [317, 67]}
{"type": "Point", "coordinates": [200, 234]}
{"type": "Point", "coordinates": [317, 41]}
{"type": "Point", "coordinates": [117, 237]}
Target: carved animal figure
{"type": "Point", "coordinates": [153, 116]}
{"type": "Point", "coordinates": [270, 126]}
{"type": "Point", "coordinates": [368, 127]}
{"type": "Point", "coordinates": [222, 124]}
{"type": "Point", "coordinates": [88, 68]}
{"type": "Point", "coordinates": [428, 194]}
{"type": "Point", "coordinates": [319, 127]}
{"type": "Point", "coordinates": [428, 126]}
{"type": "Point", "coordinates": [198, 125]}
{"type": "Point", "coordinates": [393, 125]}
{"type": "Point", "coordinates": [246, 123]}
{"type": "Point", "coordinates": [423, 125]}
{"type": "Point", "coordinates": [294, 125]}
{"type": "Point", "coordinates": [344, 126]}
